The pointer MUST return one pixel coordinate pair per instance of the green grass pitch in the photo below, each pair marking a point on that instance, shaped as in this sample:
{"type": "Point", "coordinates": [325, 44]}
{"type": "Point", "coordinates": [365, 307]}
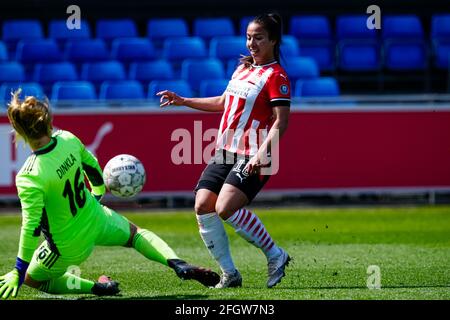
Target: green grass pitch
{"type": "Point", "coordinates": [331, 250]}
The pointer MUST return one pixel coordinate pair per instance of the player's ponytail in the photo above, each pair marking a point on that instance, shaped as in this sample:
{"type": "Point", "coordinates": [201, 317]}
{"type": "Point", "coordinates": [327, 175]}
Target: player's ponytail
{"type": "Point", "coordinates": [273, 24]}
{"type": "Point", "coordinates": [31, 118]}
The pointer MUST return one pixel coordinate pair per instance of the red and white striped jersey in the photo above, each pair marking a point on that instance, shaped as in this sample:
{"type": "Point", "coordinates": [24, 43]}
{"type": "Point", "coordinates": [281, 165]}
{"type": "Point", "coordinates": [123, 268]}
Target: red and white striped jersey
{"type": "Point", "coordinates": [249, 98]}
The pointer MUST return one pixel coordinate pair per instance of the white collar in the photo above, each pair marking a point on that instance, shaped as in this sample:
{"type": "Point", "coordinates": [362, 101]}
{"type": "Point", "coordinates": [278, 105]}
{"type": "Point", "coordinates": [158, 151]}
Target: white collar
{"type": "Point", "coordinates": [263, 65]}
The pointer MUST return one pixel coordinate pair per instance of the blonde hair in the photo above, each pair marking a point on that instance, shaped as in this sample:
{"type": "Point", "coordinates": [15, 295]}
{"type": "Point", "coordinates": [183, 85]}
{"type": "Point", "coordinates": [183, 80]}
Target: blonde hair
{"type": "Point", "coordinates": [30, 118]}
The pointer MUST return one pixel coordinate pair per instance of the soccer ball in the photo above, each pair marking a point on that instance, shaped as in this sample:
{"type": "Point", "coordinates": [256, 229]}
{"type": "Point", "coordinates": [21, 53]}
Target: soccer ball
{"type": "Point", "coordinates": [124, 176]}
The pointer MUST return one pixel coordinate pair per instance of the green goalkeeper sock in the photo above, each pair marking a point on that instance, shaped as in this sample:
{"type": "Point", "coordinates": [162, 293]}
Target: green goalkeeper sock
{"type": "Point", "coordinates": [67, 283]}
{"type": "Point", "coordinates": [153, 247]}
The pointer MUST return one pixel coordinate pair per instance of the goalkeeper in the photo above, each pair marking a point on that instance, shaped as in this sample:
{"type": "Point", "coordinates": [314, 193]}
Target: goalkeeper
{"type": "Point", "coordinates": [56, 202]}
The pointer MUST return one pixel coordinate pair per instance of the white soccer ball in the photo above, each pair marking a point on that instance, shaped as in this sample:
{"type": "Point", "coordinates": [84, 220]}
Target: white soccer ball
{"type": "Point", "coordinates": [124, 175]}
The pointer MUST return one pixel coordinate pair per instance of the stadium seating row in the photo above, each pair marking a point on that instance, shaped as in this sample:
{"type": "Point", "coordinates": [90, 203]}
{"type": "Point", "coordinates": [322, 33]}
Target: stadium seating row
{"type": "Point", "coordinates": [191, 69]}
{"type": "Point", "coordinates": [133, 49]}
{"type": "Point", "coordinates": [134, 90]}
{"type": "Point", "coordinates": [399, 45]}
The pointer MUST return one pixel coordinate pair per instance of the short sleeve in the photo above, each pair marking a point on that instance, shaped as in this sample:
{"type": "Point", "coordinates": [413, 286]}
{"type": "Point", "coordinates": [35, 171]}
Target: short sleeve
{"type": "Point", "coordinates": [279, 89]}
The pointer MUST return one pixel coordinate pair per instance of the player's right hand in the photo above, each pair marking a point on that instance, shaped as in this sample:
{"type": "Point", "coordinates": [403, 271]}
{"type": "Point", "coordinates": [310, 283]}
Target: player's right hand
{"type": "Point", "coordinates": [171, 97]}
{"type": "Point", "coordinates": [9, 284]}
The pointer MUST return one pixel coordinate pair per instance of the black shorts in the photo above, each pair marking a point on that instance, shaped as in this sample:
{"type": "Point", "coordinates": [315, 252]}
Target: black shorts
{"type": "Point", "coordinates": [227, 167]}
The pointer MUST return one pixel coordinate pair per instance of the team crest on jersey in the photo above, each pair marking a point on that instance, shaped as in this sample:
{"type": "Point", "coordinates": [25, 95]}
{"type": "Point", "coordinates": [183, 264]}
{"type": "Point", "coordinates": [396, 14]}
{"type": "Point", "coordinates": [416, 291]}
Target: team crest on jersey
{"type": "Point", "coordinates": [284, 89]}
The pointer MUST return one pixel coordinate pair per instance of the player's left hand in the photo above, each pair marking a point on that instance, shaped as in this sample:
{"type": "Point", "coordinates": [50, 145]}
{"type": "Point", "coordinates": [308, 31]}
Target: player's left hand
{"type": "Point", "coordinates": [255, 164]}
{"type": "Point", "coordinates": [9, 284]}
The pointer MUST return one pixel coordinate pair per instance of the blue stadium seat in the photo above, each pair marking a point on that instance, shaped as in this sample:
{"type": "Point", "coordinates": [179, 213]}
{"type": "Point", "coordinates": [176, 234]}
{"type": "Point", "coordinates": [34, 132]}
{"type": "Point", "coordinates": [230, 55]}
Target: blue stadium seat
{"type": "Point", "coordinates": [442, 55]}
{"type": "Point", "coordinates": [98, 72]}
{"type": "Point", "coordinates": [194, 71]}
{"type": "Point", "coordinates": [11, 72]}
{"type": "Point", "coordinates": [440, 27]}
{"type": "Point", "coordinates": [440, 37]}
{"type": "Point", "coordinates": [160, 29]}
{"type": "Point", "coordinates": [121, 90]}
{"type": "Point", "coordinates": [358, 46]}
{"type": "Point", "coordinates": [315, 39]}
{"type": "Point", "coordinates": [132, 49]}
{"type": "Point", "coordinates": [73, 90]}
{"type": "Point", "coordinates": [402, 27]}
{"type": "Point", "coordinates": [321, 87]}
{"type": "Point", "coordinates": [213, 88]}
{"type": "Point", "coordinates": [16, 30]}
{"type": "Point", "coordinates": [226, 48]}
{"type": "Point", "coordinates": [109, 29]}
{"type": "Point", "coordinates": [3, 52]}
{"type": "Point", "coordinates": [301, 68]}
{"type": "Point", "coordinates": [181, 87]}
{"type": "Point", "coordinates": [323, 54]}
{"type": "Point", "coordinates": [176, 49]}
{"type": "Point", "coordinates": [149, 71]}
{"type": "Point", "coordinates": [231, 66]}
{"type": "Point", "coordinates": [404, 43]}
{"type": "Point", "coordinates": [310, 27]}
{"type": "Point", "coordinates": [359, 56]}
{"type": "Point", "coordinates": [38, 51]}
{"type": "Point", "coordinates": [354, 27]}
{"type": "Point", "coordinates": [207, 28]}
{"type": "Point", "coordinates": [289, 47]}
{"type": "Point", "coordinates": [401, 56]}
{"type": "Point", "coordinates": [50, 73]}
{"type": "Point", "coordinates": [57, 29]}
{"type": "Point", "coordinates": [28, 89]}
{"type": "Point", "coordinates": [89, 50]}
{"type": "Point", "coordinates": [243, 24]}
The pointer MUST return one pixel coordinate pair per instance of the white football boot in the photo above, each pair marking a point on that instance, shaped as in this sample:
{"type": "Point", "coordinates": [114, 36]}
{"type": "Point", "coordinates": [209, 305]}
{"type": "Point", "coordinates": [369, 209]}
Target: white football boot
{"type": "Point", "coordinates": [230, 280]}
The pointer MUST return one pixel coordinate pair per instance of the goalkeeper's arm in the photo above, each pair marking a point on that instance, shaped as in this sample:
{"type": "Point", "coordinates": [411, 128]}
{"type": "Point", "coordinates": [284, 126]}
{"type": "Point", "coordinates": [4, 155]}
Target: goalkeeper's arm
{"type": "Point", "coordinates": [93, 172]}
{"type": "Point", "coordinates": [32, 203]}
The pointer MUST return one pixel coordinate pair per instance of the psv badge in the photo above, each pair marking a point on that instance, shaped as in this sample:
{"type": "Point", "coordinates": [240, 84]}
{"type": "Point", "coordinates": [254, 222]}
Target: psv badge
{"type": "Point", "coordinates": [284, 89]}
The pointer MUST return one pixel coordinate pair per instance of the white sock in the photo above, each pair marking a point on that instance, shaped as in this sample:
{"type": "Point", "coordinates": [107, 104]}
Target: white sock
{"type": "Point", "coordinates": [250, 227]}
{"type": "Point", "coordinates": [215, 238]}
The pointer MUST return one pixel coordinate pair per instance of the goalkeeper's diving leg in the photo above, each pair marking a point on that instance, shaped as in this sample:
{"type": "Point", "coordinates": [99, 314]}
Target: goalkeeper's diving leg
{"type": "Point", "coordinates": [154, 248]}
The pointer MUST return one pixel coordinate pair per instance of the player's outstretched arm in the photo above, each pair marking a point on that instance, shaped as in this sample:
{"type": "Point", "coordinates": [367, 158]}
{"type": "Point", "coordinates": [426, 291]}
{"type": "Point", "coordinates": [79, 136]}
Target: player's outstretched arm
{"type": "Point", "coordinates": [93, 172]}
{"type": "Point", "coordinates": [211, 104]}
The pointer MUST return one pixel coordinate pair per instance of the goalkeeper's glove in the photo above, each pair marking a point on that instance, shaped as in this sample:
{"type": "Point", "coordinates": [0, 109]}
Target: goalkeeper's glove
{"type": "Point", "coordinates": [98, 192]}
{"type": "Point", "coordinates": [9, 284]}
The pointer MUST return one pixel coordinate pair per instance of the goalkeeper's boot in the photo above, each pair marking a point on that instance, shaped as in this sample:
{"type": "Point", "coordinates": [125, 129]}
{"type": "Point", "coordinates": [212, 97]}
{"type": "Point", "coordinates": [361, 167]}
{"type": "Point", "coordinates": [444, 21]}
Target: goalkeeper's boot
{"type": "Point", "coordinates": [105, 287]}
{"type": "Point", "coordinates": [187, 271]}
{"type": "Point", "coordinates": [276, 268]}
{"type": "Point", "coordinates": [230, 280]}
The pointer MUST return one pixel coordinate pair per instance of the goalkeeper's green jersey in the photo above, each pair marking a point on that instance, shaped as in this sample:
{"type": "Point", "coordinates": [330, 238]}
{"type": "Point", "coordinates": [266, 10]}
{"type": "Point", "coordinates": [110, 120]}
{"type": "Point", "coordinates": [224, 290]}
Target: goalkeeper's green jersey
{"type": "Point", "coordinates": [54, 197]}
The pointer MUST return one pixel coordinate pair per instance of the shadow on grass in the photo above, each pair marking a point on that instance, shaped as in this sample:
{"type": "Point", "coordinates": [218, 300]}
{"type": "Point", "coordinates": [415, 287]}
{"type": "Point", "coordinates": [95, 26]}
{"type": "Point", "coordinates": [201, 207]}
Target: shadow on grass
{"type": "Point", "coordinates": [163, 297]}
{"type": "Point", "coordinates": [355, 287]}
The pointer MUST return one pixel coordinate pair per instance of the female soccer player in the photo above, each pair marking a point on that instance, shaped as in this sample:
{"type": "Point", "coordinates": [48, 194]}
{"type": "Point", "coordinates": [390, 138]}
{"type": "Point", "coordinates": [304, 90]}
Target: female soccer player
{"type": "Point", "coordinates": [56, 202]}
{"type": "Point", "coordinates": [257, 98]}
